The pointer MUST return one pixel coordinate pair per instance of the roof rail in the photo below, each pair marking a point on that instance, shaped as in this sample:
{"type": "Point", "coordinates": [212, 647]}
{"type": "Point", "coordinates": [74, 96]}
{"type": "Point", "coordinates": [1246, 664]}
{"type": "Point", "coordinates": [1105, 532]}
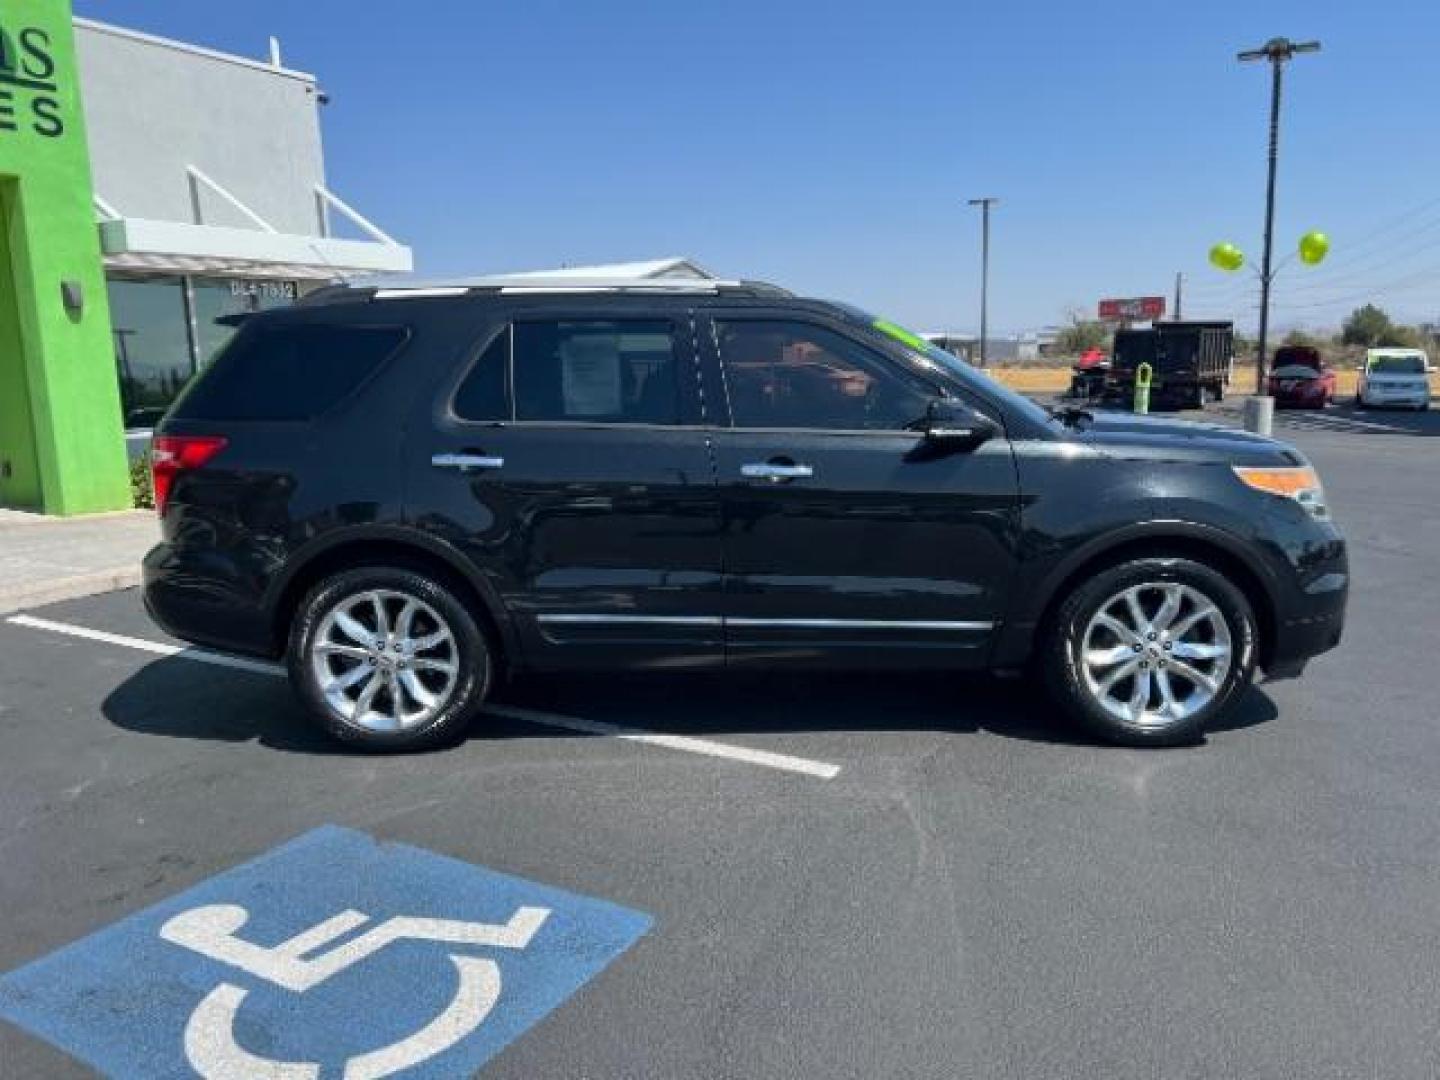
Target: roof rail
{"type": "Point", "coordinates": [536, 286]}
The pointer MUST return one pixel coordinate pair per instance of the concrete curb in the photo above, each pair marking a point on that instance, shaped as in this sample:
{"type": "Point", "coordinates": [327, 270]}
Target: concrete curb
{"type": "Point", "coordinates": [68, 588]}
{"type": "Point", "coordinates": [29, 517]}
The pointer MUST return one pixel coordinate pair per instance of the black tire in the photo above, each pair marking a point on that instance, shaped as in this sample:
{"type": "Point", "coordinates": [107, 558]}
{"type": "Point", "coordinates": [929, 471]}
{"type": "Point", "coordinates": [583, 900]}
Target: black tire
{"type": "Point", "coordinates": [1061, 659]}
{"type": "Point", "coordinates": [474, 657]}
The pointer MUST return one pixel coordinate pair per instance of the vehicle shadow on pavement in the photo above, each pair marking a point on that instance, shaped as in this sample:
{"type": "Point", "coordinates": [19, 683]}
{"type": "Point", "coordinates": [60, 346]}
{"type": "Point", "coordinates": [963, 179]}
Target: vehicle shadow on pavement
{"type": "Point", "coordinates": [185, 700]}
{"type": "Point", "coordinates": [182, 700]}
{"type": "Point", "coordinates": [743, 703]}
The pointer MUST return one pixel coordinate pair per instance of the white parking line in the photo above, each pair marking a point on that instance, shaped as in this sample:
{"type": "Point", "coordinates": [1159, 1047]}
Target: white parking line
{"type": "Point", "coordinates": [764, 758]}
{"type": "Point", "coordinates": [784, 762]}
{"type": "Point", "coordinates": [159, 648]}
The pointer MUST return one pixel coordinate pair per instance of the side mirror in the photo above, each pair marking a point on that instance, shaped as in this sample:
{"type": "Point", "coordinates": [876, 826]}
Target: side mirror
{"type": "Point", "coordinates": [950, 425]}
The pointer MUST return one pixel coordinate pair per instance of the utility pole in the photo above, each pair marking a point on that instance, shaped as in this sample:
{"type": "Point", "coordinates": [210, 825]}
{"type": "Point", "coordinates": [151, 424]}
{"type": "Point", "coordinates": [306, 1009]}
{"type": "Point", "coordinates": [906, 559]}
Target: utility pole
{"type": "Point", "coordinates": [984, 205]}
{"type": "Point", "coordinates": [1277, 51]}
{"type": "Point", "coordinates": [1179, 281]}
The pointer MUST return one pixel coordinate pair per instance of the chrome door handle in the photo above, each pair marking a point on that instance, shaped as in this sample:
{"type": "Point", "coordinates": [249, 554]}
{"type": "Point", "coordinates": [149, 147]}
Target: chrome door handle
{"type": "Point", "coordinates": [467, 461]}
{"type": "Point", "coordinates": [764, 470]}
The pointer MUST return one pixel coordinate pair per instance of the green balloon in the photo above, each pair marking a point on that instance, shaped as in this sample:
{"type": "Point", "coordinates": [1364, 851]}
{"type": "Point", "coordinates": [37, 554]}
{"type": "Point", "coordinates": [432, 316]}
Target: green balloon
{"type": "Point", "coordinates": [1313, 248]}
{"type": "Point", "coordinates": [1227, 257]}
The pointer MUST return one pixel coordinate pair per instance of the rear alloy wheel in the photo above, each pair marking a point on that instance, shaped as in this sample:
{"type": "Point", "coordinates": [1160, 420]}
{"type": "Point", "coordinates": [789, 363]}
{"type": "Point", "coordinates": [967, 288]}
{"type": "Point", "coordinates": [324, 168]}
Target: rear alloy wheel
{"type": "Point", "coordinates": [388, 659]}
{"type": "Point", "coordinates": [1149, 652]}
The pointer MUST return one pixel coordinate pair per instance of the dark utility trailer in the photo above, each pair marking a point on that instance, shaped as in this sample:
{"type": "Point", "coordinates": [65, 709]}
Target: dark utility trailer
{"type": "Point", "coordinates": [1189, 362]}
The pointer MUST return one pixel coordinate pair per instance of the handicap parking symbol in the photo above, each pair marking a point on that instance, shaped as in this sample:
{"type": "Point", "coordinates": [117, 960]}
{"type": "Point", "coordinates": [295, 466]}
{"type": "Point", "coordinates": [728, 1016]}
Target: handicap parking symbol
{"type": "Point", "coordinates": [334, 956]}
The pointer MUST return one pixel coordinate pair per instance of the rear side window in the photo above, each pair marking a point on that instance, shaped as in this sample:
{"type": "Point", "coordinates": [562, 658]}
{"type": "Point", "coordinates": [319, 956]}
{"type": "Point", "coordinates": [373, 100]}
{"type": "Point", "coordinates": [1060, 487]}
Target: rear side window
{"type": "Point", "coordinates": [613, 371]}
{"type": "Point", "coordinates": [288, 372]}
{"type": "Point", "coordinates": [482, 395]}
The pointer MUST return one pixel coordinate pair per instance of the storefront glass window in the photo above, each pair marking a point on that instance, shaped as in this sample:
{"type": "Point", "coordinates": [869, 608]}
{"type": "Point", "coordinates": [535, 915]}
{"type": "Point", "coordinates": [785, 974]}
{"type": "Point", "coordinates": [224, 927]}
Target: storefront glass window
{"type": "Point", "coordinates": [152, 345]}
{"type": "Point", "coordinates": [217, 297]}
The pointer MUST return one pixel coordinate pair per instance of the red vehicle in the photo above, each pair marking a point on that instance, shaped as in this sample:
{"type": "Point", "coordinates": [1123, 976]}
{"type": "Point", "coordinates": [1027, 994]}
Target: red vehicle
{"type": "Point", "coordinates": [1301, 379]}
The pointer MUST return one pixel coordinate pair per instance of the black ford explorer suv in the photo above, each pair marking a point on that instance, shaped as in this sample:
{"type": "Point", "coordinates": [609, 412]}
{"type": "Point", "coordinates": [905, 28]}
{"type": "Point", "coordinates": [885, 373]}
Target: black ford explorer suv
{"type": "Point", "coordinates": [409, 493]}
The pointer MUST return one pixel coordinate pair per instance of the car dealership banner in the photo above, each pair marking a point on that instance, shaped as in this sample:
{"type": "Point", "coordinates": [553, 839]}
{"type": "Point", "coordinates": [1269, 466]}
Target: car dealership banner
{"type": "Point", "coordinates": [1134, 309]}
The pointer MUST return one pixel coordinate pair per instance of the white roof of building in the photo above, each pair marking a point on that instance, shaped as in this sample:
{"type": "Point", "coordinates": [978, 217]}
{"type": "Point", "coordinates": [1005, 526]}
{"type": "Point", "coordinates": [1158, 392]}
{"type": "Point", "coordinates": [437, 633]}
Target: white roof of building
{"type": "Point", "coordinates": [185, 47]}
{"type": "Point", "coordinates": [675, 267]}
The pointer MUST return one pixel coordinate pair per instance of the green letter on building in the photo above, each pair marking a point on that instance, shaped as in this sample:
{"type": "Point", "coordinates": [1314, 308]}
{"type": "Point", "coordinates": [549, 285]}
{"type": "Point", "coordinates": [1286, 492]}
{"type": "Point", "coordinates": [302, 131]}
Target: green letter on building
{"type": "Point", "coordinates": [62, 444]}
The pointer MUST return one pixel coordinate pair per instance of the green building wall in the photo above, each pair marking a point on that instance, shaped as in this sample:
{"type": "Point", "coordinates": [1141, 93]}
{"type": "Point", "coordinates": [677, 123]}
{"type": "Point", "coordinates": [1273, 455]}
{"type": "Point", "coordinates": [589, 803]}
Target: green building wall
{"type": "Point", "coordinates": [62, 442]}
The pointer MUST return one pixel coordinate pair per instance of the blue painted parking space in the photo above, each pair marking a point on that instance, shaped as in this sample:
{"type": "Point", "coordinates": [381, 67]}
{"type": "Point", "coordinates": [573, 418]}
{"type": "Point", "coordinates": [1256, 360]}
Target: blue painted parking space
{"type": "Point", "coordinates": [333, 955]}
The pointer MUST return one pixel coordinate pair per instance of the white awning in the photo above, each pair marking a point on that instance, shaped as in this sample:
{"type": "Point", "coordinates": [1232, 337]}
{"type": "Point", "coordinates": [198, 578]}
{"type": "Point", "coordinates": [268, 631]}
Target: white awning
{"type": "Point", "coordinates": [176, 247]}
{"type": "Point", "coordinates": [676, 266]}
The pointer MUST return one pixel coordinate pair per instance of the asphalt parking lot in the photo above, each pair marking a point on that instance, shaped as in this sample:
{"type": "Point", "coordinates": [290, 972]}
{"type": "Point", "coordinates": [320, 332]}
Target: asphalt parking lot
{"type": "Point", "coordinates": [836, 876]}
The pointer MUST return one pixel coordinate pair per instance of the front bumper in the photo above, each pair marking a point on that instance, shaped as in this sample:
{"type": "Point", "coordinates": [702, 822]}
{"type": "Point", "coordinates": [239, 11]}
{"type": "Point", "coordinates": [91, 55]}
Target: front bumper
{"type": "Point", "coordinates": [1383, 398]}
{"type": "Point", "coordinates": [1311, 620]}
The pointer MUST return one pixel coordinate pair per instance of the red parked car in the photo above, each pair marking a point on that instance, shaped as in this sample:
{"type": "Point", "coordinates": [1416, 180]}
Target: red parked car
{"type": "Point", "coordinates": [1301, 379]}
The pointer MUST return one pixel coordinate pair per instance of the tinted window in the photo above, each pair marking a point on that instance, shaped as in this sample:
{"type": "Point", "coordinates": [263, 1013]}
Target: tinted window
{"type": "Point", "coordinates": [793, 375]}
{"type": "Point", "coordinates": [293, 372]}
{"type": "Point", "coordinates": [1397, 365]}
{"type": "Point", "coordinates": [617, 372]}
{"type": "Point", "coordinates": [152, 345]}
{"type": "Point", "coordinates": [482, 395]}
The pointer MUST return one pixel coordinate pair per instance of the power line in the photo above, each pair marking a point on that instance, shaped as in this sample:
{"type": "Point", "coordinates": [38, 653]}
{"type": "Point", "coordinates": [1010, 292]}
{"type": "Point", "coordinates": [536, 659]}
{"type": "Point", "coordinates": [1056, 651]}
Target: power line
{"type": "Point", "coordinates": [1391, 224]}
{"type": "Point", "coordinates": [1351, 260]}
{"type": "Point", "coordinates": [1429, 277]}
{"type": "Point", "coordinates": [1376, 260]}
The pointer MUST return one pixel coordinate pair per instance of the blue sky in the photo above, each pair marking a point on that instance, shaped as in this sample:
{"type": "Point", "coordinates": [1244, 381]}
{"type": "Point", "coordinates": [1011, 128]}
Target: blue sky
{"type": "Point", "coordinates": [830, 146]}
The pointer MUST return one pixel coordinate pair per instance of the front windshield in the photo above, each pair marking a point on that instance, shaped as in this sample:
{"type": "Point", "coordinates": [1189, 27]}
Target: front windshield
{"type": "Point", "coordinates": [932, 356]}
{"type": "Point", "coordinates": [1398, 365]}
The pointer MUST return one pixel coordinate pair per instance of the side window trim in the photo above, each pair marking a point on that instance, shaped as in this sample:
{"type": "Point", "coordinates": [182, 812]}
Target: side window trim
{"type": "Point", "coordinates": [890, 367]}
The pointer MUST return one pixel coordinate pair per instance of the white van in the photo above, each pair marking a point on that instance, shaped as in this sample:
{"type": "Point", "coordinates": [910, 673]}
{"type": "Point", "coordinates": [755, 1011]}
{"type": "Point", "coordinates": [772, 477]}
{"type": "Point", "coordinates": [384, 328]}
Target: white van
{"type": "Point", "coordinates": [1398, 377]}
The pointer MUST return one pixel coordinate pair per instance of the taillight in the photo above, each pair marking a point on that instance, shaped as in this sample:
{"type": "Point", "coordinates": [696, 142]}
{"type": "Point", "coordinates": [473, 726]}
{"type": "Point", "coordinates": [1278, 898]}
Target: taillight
{"type": "Point", "coordinates": [170, 455]}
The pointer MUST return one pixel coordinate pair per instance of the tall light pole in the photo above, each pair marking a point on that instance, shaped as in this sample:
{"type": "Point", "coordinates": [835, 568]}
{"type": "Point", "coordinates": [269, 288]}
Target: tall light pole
{"type": "Point", "coordinates": [1277, 51]}
{"type": "Point", "coordinates": [984, 205]}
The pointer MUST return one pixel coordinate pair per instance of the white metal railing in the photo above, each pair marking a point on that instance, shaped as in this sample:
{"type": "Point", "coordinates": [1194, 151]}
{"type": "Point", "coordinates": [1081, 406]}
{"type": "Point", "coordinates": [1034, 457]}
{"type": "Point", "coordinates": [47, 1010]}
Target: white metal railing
{"type": "Point", "coordinates": [198, 177]}
{"type": "Point", "coordinates": [330, 199]}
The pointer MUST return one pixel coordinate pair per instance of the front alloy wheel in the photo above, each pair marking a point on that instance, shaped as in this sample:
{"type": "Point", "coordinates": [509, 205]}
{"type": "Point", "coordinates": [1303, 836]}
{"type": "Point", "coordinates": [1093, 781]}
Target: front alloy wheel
{"type": "Point", "coordinates": [1155, 653]}
{"type": "Point", "coordinates": [1149, 652]}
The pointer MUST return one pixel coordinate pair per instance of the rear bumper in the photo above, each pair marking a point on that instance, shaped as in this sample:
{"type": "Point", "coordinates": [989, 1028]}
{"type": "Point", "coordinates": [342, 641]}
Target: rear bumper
{"type": "Point", "coordinates": [1300, 399]}
{"type": "Point", "coordinates": [204, 605]}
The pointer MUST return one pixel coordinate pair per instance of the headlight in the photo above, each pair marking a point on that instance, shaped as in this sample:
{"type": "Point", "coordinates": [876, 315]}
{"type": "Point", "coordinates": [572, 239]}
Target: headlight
{"type": "Point", "coordinates": [1298, 482]}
